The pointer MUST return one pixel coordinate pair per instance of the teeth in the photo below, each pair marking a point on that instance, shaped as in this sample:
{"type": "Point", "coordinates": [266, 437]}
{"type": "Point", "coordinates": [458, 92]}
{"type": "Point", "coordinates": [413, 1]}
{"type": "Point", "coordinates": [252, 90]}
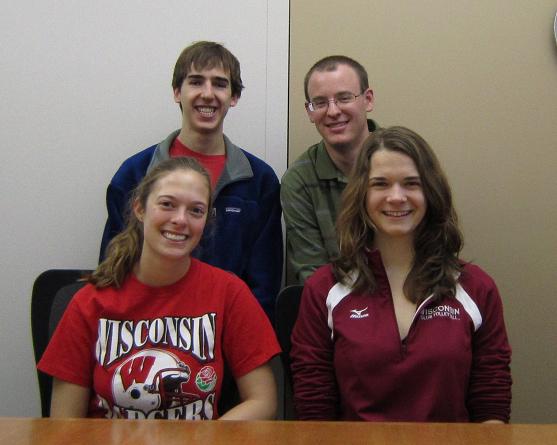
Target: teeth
{"type": "Point", "coordinates": [174, 236]}
{"type": "Point", "coordinates": [208, 111]}
{"type": "Point", "coordinates": [397, 213]}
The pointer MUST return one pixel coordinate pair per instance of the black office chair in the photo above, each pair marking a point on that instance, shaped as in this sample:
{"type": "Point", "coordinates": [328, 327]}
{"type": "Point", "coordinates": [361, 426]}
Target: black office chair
{"type": "Point", "coordinates": [286, 312]}
{"type": "Point", "coordinates": [52, 291]}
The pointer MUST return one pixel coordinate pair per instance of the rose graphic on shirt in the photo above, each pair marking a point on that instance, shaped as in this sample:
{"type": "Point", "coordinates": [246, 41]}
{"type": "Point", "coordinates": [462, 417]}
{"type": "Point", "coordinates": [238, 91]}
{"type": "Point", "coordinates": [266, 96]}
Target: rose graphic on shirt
{"type": "Point", "coordinates": [206, 379]}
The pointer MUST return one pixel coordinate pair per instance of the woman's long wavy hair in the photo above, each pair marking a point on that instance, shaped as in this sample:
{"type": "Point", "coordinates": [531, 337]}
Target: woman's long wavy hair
{"type": "Point", "coordinates": [124, 251]}
{"type": "Point", "coordinates": [437, 239]}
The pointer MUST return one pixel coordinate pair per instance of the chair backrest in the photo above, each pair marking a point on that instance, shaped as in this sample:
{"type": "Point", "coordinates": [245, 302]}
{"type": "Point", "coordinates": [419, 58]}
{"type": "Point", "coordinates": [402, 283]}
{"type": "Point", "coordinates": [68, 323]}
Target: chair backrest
{"type": "Point", "coordinates": [286, 312]}
{"type": "Point", "coordinates": [52, 291]}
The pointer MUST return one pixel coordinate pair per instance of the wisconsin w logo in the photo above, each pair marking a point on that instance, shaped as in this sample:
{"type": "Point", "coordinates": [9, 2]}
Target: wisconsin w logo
{"type": "Point", "coordinates": [136, 370]}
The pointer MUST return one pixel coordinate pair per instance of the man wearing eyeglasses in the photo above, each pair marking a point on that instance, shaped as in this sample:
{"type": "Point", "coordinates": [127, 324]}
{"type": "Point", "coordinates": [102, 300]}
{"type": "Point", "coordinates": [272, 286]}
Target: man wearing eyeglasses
{"type": "Point", "coordinates": [338, 99]}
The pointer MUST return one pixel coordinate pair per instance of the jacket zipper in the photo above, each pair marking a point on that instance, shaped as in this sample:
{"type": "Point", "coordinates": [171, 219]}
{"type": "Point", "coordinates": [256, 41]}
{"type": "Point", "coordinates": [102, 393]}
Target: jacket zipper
{"type": "Point", "coordinates": [404, 343]}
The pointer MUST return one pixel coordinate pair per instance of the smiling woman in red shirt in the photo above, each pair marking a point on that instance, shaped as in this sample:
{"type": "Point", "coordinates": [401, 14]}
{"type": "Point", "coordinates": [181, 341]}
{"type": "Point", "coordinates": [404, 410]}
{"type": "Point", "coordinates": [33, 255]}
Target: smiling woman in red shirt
{"type": "Point", "coordinates": [148, 336]}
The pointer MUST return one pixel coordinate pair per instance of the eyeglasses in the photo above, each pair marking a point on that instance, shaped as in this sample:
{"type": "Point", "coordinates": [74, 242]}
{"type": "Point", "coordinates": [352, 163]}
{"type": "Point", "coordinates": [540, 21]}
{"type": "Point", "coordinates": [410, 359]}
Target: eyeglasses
{"type": "Point", "coordinates": [340, 99]}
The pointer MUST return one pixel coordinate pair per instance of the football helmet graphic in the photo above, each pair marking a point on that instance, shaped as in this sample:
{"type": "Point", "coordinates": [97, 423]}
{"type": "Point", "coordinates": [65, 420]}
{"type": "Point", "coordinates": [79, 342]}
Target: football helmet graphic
{"type": "Point", "coordinates": [152, 379]}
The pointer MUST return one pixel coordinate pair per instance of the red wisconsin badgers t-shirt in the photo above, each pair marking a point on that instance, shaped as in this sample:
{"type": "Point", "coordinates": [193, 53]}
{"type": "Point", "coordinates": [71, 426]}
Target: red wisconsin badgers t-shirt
{"type": "Point", "coordinates": [157, 352]}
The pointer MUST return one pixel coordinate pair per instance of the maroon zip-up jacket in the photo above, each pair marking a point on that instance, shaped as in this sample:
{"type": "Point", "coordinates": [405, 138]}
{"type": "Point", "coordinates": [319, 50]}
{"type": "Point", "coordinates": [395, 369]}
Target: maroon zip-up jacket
{"type": "Point", "coordinates": [348, 361]}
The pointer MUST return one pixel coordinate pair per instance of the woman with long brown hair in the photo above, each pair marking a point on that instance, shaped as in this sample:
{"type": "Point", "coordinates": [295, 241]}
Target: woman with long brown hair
{"type": "Point", "coordinates": [148, 336]}
{"type": "Point", "coordinates": [398, 328]}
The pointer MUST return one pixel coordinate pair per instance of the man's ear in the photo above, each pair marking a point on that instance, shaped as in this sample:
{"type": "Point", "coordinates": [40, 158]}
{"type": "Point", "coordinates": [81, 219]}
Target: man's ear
{"type": "Point", "coordinates": [309, 114]}
{"type": "Point", "coordinates": [234, 101]}
{"type": "Point", "coordinates": [370, 99]}
{"type": "Point", "coordinates": [138, 210]}
{"type": "Point", "coordinates": [177, 95]}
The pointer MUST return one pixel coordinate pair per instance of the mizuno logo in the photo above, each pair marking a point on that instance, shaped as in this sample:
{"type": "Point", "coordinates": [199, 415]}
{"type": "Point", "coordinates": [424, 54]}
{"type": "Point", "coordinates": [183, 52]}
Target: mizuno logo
{"type": "Point", "coordinates": [359, 313]}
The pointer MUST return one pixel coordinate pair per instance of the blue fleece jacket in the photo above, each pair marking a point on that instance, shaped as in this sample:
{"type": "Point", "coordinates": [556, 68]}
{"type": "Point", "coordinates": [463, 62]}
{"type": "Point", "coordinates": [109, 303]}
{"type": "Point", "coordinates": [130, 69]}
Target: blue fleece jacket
{"type": "Point", "coordinates": [245, 235]}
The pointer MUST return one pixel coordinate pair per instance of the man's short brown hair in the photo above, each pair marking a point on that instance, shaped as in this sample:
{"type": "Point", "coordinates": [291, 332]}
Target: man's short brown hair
{"type": "Point", "coordinates": [206, 55]}
{"type": "Point", "coordinates": [330, 63]}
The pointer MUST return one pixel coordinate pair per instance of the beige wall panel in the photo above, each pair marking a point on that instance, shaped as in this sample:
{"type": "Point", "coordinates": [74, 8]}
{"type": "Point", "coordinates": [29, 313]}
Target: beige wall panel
{"type": "Point", "coordinates": [477, 79]}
